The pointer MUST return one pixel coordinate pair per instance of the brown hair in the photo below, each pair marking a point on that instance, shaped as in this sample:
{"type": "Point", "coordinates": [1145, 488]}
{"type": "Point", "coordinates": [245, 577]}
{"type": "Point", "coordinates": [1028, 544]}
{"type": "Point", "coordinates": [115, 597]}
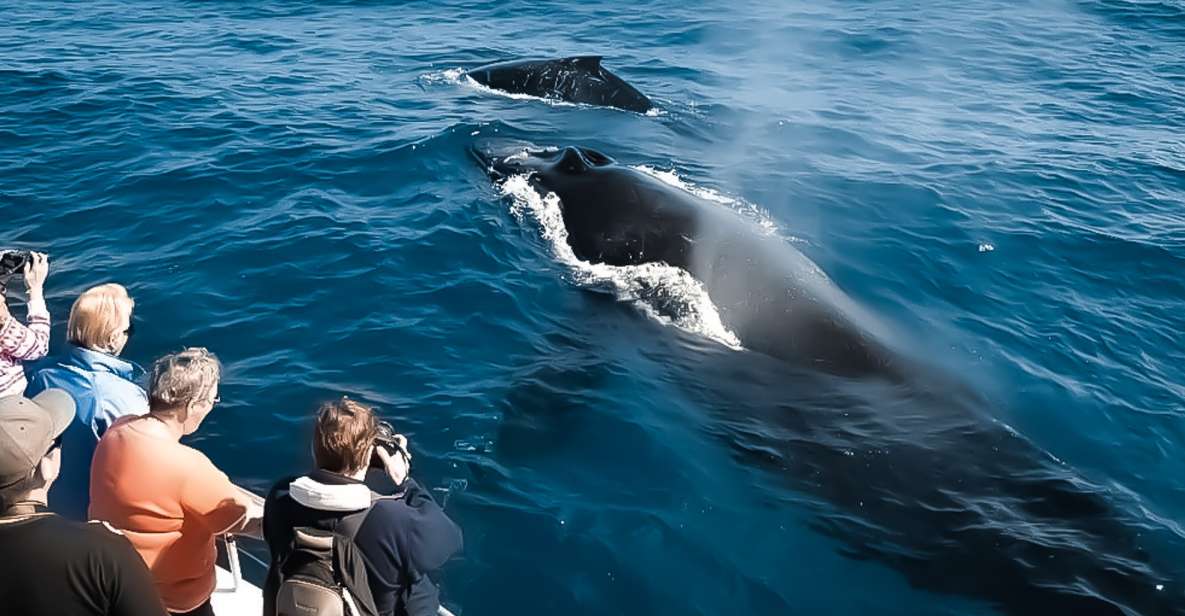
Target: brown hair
{"type": "Point", "coordinates": [342, 435]}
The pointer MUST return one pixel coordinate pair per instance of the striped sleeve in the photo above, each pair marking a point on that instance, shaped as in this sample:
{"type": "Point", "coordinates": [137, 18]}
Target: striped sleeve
{"type": "Point", "coordinates": [25, 343]}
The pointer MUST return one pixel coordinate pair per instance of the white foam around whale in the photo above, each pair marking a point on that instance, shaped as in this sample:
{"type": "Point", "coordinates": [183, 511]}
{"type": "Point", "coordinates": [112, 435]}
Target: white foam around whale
{"type": "Point", "coordinates": [664, 292]}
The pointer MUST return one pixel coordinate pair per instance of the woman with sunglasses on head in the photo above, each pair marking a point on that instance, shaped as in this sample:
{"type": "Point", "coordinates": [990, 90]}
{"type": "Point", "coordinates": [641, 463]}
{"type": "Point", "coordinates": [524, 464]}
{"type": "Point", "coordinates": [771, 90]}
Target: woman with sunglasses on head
{"type": "Point", "coordinates": [167, 498]}
{"type": "Point", "coordinates": [103, 385]}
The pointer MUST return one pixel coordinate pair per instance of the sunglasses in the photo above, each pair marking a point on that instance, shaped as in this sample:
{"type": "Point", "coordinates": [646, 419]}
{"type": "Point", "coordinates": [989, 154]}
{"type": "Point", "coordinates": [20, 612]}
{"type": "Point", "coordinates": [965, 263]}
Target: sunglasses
{"type": "Point", "coordinates": [130, 330]}
{"type": "Point", "coordinates": [57, 443]}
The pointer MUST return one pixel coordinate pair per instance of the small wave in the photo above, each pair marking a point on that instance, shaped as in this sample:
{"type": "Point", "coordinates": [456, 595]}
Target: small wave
{"type": "Point", "coordinates": [447, 76]}
{"type": "Point", "coordinates": [665, 293]}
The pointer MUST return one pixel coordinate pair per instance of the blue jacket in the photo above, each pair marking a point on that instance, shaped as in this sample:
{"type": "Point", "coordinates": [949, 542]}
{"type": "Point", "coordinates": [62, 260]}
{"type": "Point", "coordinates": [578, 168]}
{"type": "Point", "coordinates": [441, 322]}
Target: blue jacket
{"type": "Point", "coordinates": [104, 388]}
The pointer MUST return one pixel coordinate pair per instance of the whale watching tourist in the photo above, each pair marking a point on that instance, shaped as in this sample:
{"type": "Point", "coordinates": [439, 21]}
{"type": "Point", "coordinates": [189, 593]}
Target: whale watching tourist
{"type": "Point", "coordinates": [102, 385]}
{"type": "Point", "coordinates": [169, 499]}
{"type": "Point", "coordinates": [388, 543]}
{"type": "Point", "coordinates": [21, 343]}
{"type": "Point", "coordinates": [52, 566]}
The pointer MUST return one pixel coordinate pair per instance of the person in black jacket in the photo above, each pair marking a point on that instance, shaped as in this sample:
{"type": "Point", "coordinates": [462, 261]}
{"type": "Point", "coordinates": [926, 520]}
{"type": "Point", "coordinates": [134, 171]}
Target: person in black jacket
{"type": "Point", "coordinates": [402, 537]}
{"type": "Point", "coordinates": [50, 565]}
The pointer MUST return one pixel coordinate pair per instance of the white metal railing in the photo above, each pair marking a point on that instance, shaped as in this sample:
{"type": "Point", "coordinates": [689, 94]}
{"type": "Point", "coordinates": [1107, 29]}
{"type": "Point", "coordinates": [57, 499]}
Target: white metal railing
{"type": "Point", "coordinates": [232, 561]}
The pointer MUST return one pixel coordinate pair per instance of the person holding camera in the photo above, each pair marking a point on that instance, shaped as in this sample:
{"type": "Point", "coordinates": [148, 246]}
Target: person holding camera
{"type": "Point", "coordinates": [21, 343]}
{"type": "Point", "coordinates": [379, 547]}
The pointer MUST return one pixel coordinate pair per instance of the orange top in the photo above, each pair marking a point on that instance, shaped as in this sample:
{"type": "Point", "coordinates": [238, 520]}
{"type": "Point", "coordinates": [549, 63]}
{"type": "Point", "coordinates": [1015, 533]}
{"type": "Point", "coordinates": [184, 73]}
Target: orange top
{"type": "Point", "coordinates": [170, 500]}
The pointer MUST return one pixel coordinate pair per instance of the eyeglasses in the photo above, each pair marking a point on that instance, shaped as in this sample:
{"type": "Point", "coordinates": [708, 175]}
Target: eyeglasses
{"type": "Point", "coordinates": [130, 330]}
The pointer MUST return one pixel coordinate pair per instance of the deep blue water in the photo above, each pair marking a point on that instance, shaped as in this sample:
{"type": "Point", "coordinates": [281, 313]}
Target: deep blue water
{"type": "Point", "coordinates": [289, 184]}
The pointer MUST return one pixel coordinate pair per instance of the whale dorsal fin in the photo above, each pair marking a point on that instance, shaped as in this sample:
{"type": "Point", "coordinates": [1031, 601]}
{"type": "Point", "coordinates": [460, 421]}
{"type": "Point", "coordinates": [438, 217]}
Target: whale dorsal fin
{"type": "Point", "coordinates": [591, 63]}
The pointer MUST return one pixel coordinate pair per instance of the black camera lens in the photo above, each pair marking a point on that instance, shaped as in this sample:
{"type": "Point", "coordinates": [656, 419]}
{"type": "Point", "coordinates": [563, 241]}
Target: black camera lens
{"type": "Point", "coordinates": [385, 438]}
{"type": "Point", "coordinates": [13, 261]}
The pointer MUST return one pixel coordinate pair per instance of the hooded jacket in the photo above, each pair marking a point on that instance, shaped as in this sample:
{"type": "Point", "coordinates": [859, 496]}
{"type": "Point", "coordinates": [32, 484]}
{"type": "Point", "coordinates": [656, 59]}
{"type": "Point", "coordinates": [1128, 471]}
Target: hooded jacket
{"type": "Point", "coordinates": [401, 539]}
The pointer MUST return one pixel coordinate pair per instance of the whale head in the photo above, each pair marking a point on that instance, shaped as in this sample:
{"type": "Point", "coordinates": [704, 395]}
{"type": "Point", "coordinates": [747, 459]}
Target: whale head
{"type": "Point", "coordinates": [614, 214]}
{"type": "Point", "coordinates": [503, 160]}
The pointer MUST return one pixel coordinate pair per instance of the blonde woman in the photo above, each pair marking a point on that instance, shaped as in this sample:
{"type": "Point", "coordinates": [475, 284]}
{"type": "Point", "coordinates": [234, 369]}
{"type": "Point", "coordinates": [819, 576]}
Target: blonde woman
{"type": "Point", "coordinates": [103, 385]}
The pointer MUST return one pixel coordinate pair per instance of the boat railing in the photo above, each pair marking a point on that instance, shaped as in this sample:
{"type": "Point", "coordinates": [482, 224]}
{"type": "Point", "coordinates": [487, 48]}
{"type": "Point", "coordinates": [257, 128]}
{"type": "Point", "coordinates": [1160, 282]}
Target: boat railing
{"type": "Point", "coordinates": [232, 559]}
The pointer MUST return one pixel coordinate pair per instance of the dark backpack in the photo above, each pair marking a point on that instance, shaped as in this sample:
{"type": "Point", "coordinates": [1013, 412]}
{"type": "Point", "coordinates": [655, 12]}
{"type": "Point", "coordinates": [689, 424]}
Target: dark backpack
{"type": "Point", "coordinates": [324, 574]}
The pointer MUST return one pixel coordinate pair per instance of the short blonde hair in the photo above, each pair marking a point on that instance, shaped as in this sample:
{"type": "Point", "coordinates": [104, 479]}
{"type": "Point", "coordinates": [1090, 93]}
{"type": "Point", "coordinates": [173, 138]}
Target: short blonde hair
{"type": "Point", "coordinates": [97, 314]}
{"type": "Point", "coordinates": [180, 378]}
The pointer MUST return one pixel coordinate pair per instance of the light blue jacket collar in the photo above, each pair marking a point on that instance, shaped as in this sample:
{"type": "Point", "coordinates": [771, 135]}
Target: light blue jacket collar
{"type": "Point", "coordinates": [96, 361]}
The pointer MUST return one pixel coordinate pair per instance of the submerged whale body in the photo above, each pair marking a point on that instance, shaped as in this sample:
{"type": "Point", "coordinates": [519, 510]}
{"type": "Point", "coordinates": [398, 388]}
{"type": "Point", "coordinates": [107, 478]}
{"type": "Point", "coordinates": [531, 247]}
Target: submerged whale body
{"type": "Point", "coordinates": [916, 477]}
{"type": "Point", "coordinates": [579, 79]}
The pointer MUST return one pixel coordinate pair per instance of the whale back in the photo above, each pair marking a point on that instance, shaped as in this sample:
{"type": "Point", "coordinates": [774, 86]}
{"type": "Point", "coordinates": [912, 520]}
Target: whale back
{"type": "Point", "coordinates": [770, 295]}
{"type": "Point", "coordinates": [779, 302]}
{"type": "Point", "coordinates": [774, 298]}
{"type": "Point", "coordinates": [616, 215]}
{"type": "Point", "coordinates": [577, 79]}
{"type": "Point", "coordinates": [913, 475]}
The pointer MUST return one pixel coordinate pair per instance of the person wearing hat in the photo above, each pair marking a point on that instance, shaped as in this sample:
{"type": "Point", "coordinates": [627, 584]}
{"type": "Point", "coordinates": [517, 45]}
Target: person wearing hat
{"type": "Point", "coordinates": [52, 565]}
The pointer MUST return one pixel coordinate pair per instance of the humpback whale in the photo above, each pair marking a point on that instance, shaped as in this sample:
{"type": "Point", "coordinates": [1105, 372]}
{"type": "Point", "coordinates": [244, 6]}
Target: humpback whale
{"type": "Point", "coordinates": [579, 79]}
{"type": "Point", "coordinates": [913, 472]}
{"type": "Point", "coordinates": [771, 296]}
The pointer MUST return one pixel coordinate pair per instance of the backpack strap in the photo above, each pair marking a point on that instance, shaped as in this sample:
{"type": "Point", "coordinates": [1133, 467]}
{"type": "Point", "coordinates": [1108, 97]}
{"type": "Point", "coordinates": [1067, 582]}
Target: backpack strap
{"type": "Point", "coordinates": [351, 605]}
{"type": "Point", "coordinates": [347, 560]}
{"type": "Point", "coordinates": [306, 537]}
{"type": "Point", "coordinates": [308, 583]}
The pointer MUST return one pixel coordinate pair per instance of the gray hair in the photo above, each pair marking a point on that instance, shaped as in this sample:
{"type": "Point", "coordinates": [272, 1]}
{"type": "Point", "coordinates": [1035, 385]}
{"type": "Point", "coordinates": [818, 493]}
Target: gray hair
{"type": "Point", "coordinates": [180, 378]}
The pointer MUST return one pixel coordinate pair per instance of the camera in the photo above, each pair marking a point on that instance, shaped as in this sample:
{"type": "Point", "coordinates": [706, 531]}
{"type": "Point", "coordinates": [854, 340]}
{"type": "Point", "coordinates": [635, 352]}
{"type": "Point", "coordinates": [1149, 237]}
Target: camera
{"type": "Point", "coordinates": [385, 438]}
{"type": "Point", "coordinates": [13, 261]}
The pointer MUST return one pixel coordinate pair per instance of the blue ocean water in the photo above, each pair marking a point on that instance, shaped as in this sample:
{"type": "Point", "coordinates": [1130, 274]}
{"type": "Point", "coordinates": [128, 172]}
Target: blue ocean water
{"type": "Point", "coordinates": [1001, 183]}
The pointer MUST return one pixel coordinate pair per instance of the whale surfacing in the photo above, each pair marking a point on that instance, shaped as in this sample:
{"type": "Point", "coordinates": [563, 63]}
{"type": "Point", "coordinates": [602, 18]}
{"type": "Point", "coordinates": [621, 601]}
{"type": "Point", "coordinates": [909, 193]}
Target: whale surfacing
{"type": "Point", "coordinates": [579, 79]}
{"type": "Point", "coordinates": [771, 296]}
{"type": "Point", "coordinates": [913, 472]}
